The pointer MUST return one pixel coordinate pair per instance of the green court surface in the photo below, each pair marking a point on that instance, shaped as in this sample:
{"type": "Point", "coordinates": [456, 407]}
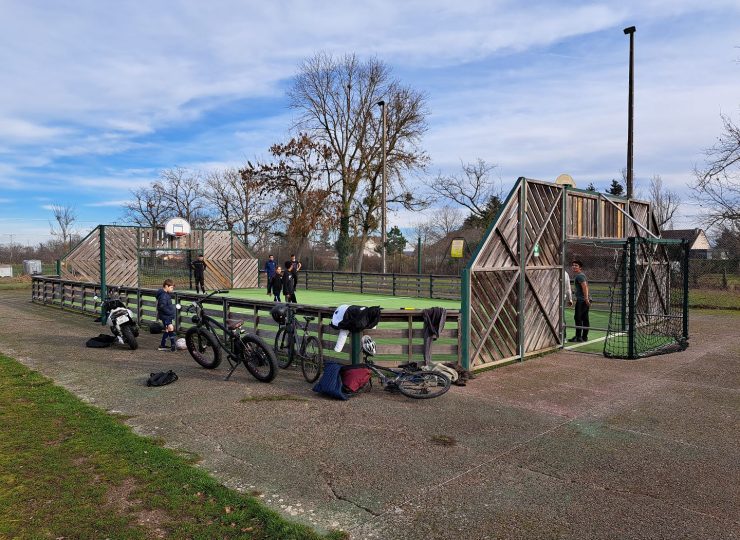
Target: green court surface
{"type": "Point", "coordinates": [333, 299]}
{"type": "Point", "coordinates": [595, 344]}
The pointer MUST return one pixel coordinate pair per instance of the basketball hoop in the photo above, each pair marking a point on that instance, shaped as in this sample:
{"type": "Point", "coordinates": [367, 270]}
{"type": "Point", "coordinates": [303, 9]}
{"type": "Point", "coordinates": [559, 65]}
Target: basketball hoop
{"type": "Point", "coordinates": [177, 227]}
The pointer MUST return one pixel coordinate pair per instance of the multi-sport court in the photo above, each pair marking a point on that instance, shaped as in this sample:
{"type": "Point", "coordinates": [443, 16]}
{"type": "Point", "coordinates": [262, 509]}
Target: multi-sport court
{"type": "Point", "coordinates": [507, 305]}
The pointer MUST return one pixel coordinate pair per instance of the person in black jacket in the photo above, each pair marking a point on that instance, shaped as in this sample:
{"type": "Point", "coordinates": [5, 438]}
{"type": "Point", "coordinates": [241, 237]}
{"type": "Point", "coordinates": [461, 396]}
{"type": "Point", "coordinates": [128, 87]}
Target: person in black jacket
{"type": "Point", "coordinates": [289, 286]}
{"type": "Point", "coordinates": [275, 285]}
{"type": "Point", "coordinates": [166, 314]}
{"type": "Point", "coordinates": [199, 270]}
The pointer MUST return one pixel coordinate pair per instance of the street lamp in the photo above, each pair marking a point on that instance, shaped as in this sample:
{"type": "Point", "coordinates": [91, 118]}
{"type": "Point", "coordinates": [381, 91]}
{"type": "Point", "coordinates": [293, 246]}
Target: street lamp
{"type": "Point", "coordinates": [383, 239]}
{"type": "Point", "coordinates": [630, 114]}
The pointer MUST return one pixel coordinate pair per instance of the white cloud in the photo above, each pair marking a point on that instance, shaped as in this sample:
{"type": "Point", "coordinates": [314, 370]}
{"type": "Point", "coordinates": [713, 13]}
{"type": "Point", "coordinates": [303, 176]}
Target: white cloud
{"type": "Point", "coordinates": [98, 204]}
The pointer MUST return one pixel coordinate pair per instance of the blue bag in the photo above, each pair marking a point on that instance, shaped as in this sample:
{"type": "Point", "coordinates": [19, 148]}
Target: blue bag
{"type": "Point", "coordinates": [330, 382]}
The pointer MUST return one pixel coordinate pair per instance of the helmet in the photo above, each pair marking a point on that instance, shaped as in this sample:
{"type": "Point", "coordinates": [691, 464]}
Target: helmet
{"type": "Point", "coordinates": [180, 344]}
{"type": "Point", "coordinates": [368, 345]}
{"type": "Point", "coordinates": [279, 313]}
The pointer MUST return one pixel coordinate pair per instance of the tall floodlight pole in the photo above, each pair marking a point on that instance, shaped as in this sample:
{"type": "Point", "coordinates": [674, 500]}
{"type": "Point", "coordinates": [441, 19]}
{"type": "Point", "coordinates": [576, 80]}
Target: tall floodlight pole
{"type": "Point", "coordinates": [630, 114]}
{"type": "Point", "coordinates": [383, 238]}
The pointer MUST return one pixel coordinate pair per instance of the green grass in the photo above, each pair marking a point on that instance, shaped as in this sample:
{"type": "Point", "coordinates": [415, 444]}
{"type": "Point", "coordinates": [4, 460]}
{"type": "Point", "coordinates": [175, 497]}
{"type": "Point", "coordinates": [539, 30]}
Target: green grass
{"type": "Point", "coordinates": [333, 299]}
{"type": "Point", "coordinates": [68, 470]}
{"type": "Point", "coordinates": [714, 299]}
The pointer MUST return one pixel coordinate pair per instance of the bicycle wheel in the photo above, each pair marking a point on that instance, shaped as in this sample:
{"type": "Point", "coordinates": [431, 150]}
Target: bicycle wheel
{"type": "Point", "coordinates": [283, 350]}
{"type": "Point", "coordinates": [203, 347]}
{"type": "Point", "coordinates": [423, 384]}
{"type": "Point", "coordinates": [312, 361]}
{"type": "Point", "coordinates": [258, 358]}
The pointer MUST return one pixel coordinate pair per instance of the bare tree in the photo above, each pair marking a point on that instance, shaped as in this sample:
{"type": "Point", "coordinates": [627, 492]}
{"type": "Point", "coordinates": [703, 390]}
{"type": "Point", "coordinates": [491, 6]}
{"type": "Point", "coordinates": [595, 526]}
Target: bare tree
{"type": "Point", "coordinates": [255, 206]}
{"type": "Point", "coordinates": [335, 98]}
{"type": "Point", "coordinates": [147, 209]}
{"type": "Point", "coordinates": [182, 192]}
{"type": "Point", "coordinates": [447, 219]}
{"type": "Point", "coordinates": [473, 189]}
{"type": "Point", "coordinates": [65, 217]}
{"type": "Point", "coordinates": [665, 202]}
{"type": "Point", "coordinates": [220, 192]}
{"type": "Point", "coordinates": [717, 185]}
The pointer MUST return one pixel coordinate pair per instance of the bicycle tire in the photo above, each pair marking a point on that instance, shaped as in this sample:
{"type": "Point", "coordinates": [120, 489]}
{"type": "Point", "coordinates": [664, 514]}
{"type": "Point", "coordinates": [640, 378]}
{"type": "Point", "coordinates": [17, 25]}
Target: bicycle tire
{"type": "Point", "coordinates": [203, 347]}
{"type": "Point", "coordinates": [283, 350]}
{"type": "Point", "coordinates": [423, 384]}
{"type": "Point", "coordinates": [312, 361]}
{"type": "Point", "coordinates": [258, 358]}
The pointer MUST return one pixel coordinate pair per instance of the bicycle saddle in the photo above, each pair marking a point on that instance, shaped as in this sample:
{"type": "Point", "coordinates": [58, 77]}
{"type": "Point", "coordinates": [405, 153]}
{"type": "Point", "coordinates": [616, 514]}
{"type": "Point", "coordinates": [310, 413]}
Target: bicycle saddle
{"type": "Point", "coordinates": [308, 319]}
{"type": "Point", "coordinates": [233, 324]}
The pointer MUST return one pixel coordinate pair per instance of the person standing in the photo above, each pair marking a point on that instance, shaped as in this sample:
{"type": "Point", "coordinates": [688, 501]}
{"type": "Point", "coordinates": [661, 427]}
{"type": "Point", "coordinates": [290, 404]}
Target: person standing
{"type": "Point", "coordinates": [289, 284]}
{"type": "Point", "coordinates": [270, 269]}
{"type": "Point", "coordinates": [583, 302]}
{"type": "Point", "coordinates": [296, 265]}
{"type": "Point", "coordinates": [199, 267]}
{"type": "Point", "coordinates": [166, 314]}
{"type": "Point", "coordinates": [276, 284]}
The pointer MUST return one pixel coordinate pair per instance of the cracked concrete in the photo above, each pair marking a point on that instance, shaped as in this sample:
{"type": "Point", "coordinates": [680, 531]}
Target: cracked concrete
{"type": "Point", "coordinates": [565, 446]}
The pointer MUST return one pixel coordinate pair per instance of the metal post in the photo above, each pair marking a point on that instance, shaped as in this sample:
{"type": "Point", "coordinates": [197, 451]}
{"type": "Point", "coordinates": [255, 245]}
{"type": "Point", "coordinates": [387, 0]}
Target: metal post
{"type": "Point", "coordinates": [686, 251]}
{"type": "Point", "coordinates": [465, 319]}
{"type": "Point", "coordinates": [632, 299]}
{"type": "Point", "coordinates": [383, 238]}
{"type": "Point", "coordinates": [563, 262]}
{"type": "Point", "coordinates": [630, 114]}
{"type": "Point", "coordinates": [522, 268]}
{"type": "Point", "coordinates": [625, 269]}
{"type": "Point", "coordinates": [103, 287]}
{"type": "Point", "coordinates": [356, 349]}
{"type": "Point", "coordinates": [59, 267]}
{"type": "Point", "coordinates": [418, 256]}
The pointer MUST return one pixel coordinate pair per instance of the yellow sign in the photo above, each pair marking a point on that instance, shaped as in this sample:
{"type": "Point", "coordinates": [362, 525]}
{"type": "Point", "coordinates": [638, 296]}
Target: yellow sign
{"type": "Point", "coordinates": [456, 248]}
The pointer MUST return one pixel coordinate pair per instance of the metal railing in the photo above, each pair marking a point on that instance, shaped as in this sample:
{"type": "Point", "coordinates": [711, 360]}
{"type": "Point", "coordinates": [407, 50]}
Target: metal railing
{"type": "Point", "coordinates": [399, 334]}
{"type": "Point", "coordinates": [414, 285]}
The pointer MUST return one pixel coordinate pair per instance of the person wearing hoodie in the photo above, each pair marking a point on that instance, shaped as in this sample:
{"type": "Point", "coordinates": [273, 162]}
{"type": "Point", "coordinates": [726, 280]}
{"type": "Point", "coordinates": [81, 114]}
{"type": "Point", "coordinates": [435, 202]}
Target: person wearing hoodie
{"type": "Point", "coordinates": [166, 314]}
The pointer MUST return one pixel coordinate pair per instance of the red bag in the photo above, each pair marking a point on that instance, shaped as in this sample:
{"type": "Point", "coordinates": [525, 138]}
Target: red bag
{"type": "Point", "coordinates": [355, 377]}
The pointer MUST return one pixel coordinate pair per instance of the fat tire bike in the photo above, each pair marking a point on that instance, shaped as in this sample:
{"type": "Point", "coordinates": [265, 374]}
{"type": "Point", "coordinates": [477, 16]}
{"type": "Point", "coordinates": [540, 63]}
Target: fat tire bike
{"type": "Point", "coordinates": [205, 345]}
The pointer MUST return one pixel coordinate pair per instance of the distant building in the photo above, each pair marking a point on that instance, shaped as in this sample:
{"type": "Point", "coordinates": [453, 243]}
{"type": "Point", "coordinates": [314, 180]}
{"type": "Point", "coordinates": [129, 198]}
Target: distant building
{"type": "Point", "coordinates": [699, 247]}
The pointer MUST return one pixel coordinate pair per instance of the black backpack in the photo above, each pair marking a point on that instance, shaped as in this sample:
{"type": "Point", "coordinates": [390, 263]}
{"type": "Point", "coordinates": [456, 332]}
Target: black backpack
{"type": "Point", "coordinates": [161, 378]}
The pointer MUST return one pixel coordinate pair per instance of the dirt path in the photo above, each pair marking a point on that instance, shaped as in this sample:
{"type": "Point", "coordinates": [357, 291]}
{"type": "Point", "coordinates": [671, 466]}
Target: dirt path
{"type": "Point", "coordinates": [565, 446]}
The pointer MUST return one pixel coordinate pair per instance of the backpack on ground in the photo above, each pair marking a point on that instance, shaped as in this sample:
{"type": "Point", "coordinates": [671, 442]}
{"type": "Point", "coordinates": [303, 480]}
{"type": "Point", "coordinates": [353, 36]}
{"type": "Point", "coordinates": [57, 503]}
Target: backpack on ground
{"type": "Point", "coordinates": [354, 378]}
{"type": "Point", "coordinates": [330, 383]}
{"type": "Point", "coordinates": [161, 378]}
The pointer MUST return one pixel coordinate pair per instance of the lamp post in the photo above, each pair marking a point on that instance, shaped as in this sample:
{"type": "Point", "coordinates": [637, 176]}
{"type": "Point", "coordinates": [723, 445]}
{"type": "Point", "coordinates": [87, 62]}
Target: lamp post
{"type": "Point", "coordinates": [383, 238]}
{"type": "Point", "coordinates": [630, 114]}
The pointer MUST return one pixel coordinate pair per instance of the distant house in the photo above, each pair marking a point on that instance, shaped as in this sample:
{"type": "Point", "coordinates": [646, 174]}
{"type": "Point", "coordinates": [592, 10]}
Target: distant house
{"type": "Point", "coordinates": [699, 247]}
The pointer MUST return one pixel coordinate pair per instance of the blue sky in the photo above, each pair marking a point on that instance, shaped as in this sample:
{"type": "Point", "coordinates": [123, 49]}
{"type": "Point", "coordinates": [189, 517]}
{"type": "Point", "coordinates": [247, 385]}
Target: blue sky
{"type": "Point", "coordinates": [96, 97]}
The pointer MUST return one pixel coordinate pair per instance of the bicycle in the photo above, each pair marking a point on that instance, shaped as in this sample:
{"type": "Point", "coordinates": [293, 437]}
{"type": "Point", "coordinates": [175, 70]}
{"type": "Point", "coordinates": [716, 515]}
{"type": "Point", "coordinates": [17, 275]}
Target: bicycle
{"type": "Point", "coordinates": [408, 379]}
{"type": "Point", "coordinates": [309, 348]}
{"type": "Point", "coordinates": [205, 345]}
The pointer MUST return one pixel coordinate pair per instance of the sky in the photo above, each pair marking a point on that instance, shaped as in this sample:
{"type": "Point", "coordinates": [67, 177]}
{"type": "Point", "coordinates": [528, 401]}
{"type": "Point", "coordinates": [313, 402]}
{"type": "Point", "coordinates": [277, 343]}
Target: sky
{"type": "Point", "coordinates": [97, 97]}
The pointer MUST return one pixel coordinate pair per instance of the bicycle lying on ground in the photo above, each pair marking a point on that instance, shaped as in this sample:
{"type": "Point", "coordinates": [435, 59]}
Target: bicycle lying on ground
{"type": "Point", "coordinates": [408, 379]}
{"type": "Point", "coordinates": [309, 348]}
{"type": "Point", "coordinates": [205, 345]}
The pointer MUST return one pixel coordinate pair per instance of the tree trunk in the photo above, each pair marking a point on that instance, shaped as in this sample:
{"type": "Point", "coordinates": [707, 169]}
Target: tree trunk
{"type": "Point", "coordinates": [343, 244]}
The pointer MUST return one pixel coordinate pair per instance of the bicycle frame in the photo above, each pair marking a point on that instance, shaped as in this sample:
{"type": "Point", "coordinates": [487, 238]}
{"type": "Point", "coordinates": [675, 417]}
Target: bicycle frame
{"type": "Point", "coordinates": [292, 326]}
{"type": "Point", "coordinates": [208, 322]}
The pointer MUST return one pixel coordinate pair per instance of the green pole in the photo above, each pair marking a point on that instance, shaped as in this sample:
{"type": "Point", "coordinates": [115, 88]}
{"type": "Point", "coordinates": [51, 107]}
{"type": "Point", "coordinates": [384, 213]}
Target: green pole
{"type": "Point", "coordinates": [103, 288]}
{"type": "Point", "coordinates": [563, 248]}
{"type": "Point", "coordinates": [356, 347]}
{"type": "Point", "coordinates": [625, 269]}
{"type": "Point", "coordinates": [522, 267]}
{"type": "Point", "coordinates": [231, 238]}
{"type": "Point", "coordinates": [686, 251]}
{"type": "Point", "coordinates": [59, 267]}
{"type": "Point", "coordinates": [465, 319]}
{"type": "Point", "coordinates": [632, 299]}
{"type": "Point", "coordinates": [418, 256]}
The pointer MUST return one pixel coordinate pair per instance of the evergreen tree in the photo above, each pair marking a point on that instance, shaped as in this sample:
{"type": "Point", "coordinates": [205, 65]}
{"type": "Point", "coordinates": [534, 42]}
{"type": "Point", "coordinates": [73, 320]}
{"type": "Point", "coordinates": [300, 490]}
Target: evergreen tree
{"type": "Point", "coordinates": [616, 188]}
{"type": "Point", "coordinates": [591, 187]}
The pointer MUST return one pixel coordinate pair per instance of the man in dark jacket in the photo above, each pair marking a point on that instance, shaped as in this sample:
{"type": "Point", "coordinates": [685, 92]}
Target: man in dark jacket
{"type": "Point", "coordinates": [270, 270]}
{"type": "Point", "coordinates": [275, 284]}
{"type": "Point", "coordinates": [289, 286]}
{"type": "Point", "coordinates": [166, 313]}
{"type": "Point", "coordinates": [199, 269]}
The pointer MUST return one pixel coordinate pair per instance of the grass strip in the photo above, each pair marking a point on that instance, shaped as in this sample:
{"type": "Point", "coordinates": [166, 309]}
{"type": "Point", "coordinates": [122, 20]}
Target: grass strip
{"type": "Point", "coordinates": [70, 470]}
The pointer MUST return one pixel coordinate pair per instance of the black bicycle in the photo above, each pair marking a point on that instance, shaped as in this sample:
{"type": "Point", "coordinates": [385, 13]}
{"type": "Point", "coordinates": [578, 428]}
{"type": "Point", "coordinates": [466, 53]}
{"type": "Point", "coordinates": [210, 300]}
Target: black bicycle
{"type": "Point", "coordinates": [309, 348]}
{"type": "Point", "coordinates": [408, 378]}
{"type": "Point", "coordinates": [205, 346]}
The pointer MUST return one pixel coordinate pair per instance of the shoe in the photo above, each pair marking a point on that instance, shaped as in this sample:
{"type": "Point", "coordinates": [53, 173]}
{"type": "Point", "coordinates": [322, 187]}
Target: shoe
{"type": "Point", "coordinates": [574, 340]}
{"type": "Point", "coordinates": [584, 339]}
{"type": "Point", "coordinates": [163, 348]}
